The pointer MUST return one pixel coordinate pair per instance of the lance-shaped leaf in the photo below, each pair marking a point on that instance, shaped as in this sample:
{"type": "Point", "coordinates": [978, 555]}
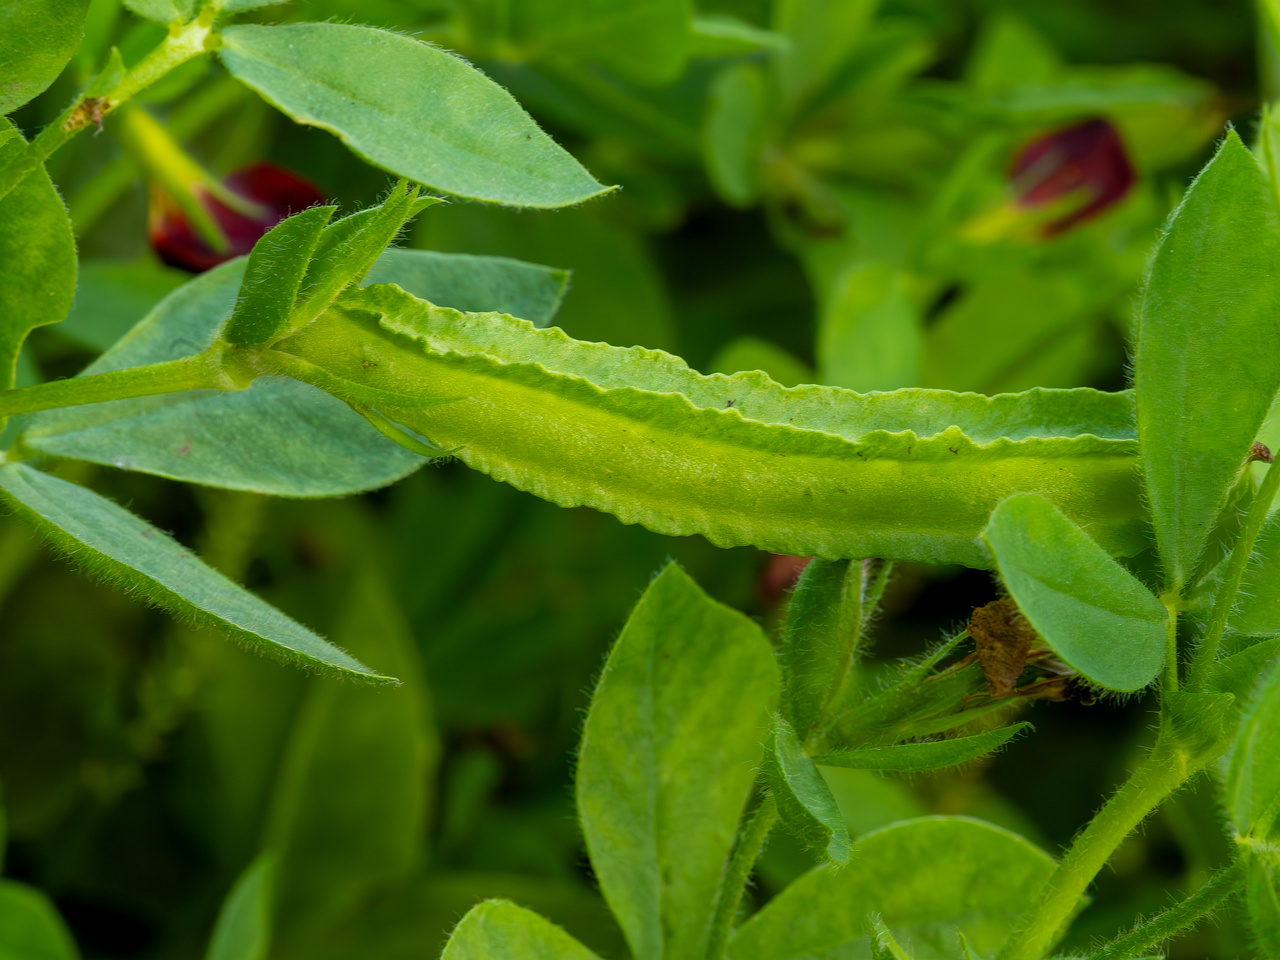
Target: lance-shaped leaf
{"type": "Point", "coordinates": [1206, 368]}
{"type": "Point", "coordinates": [30, 927]}
{"type": "Point", "coordinates": [498, 929]}
{"type": "Point", "coordinates": [924, 878]}
{"type": "Point", "coordinates": [819, 639]}
{"type": "Point", "coordinates": [921, 757]}
{"type": "Point", "coordinates": [807, 470]}
{"type": "Point", "coordinates": [273, 277]}
{"type": "Point", "coordinates": [37, 260]}
{"type": "Point", "coordinates": [410, 108]}
{"type": "Point", "coordinates": [163, 11]}
{"type": "Point", "coordinates": [1251, 787]}
{"type": "Point", "coordinates": [36, 41]}
{"type": "Point", "coordinates": [1262, 897]}
{"type": "Point", "coordinates": [668, 761]}
{"type": "Point", "coordinates": [804, 800]}
{"type": "Point", "coordinates": [1093, 613]}
{"type": "Point", "coordinates": [243, 930]}
{"type": "Point", "coordinates": [120, 547]}
{"type": "Point", "coordinates": [1256, 612]}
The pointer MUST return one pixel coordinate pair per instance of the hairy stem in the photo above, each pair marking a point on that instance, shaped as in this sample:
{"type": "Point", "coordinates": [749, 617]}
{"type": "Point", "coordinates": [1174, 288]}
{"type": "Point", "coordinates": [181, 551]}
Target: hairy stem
{"type": "Point", "coordinates": [1177, 918]}
{"type": "Point", "coordinates": [1237, 563]}
{"type": "Point", "coordinates": [173, 376]}
{"type": "Point", "coordinates": [1160, 773]}
{"type": "Point", "coordinates": [750, 843]}
{"type": "Point", "coordinates": [182, 44]}
{"type": "Point", "coordinates": [1169, 679]}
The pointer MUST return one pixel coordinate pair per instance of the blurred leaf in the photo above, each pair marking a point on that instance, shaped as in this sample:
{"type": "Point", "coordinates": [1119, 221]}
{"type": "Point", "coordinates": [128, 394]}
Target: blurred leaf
{"type": "Point", "coordinates": [37, 259]}
{"type": "Point", "coordinates": [1009, 52]}
{"type": "Point", "coordinates": [474, 283]}
{"type": "Point", "coordinates": [921, 757]}
{"type": "Point", "coordinates": [988, 340]}
{"type": "Point", "coordinates": [238, 6]}
{"type": "Point", "coordinates": [36, 41]}
{"type": "Point", "coordinates": [734, 132]}
{"type": "Point", "coordinates": [368, 86]}
{"type": "Point", "coordinates": [497, 929]}
{"type": "Point", "coordinates": [724, 35]}
{"type": "Point", "coordinates": [869, 334]}
{"type": "Point", "coordinates": [819, 640]}
{"type": "Point", "coordinates": [243, 930]}
{"type": "Point", "coordinates": [279, 436]}
{"type": "Point", "coordinates": [273, 276]}
{"type": "Point", "coordinates": [1092, 612]}
{"type": "Point", "coordinates": [351, 803]}
{"type": "Point", "coordinates": [163, 11]}
{"type": "Point", "coordinates": [645, 41]}
{"type": "Point", "coordinates": [820, 35]}
{"type": "Point", "coordinates": [804, 801]}
{"type": "Point", "coordinates": [665, 766]}
{"type": "Point", "coordinates": [752, 353]}
{"type": "Point", "coordinates": [119, 547]}
{"type": "Point", "coordinates": [113, 295]}
{"type": "Point", "coordinates": [1205, 372]}
{"type": "Point", "coordinates": [30, 927]}
{"type": "Point", "coordinates": [925, 878]}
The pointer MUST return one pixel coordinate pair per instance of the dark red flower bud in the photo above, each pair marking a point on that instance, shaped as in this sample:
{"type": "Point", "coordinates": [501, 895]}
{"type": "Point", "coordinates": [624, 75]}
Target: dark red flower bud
{"type": "Point", "coordinates": [271, 194]}
{"type": "Point", "coordinates": [1085, 163]}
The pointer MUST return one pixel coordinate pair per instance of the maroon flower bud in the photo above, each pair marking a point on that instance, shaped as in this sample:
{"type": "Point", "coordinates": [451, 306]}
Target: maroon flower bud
{"type": "Point", "coordinates": [1083, 168]}
{"type": "Point", "coordinates": [269, 194]}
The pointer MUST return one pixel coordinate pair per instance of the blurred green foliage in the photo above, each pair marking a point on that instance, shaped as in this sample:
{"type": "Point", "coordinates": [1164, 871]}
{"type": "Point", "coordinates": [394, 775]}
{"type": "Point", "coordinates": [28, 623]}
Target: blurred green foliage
{"type": "Point", "coordinates": [806, 186]}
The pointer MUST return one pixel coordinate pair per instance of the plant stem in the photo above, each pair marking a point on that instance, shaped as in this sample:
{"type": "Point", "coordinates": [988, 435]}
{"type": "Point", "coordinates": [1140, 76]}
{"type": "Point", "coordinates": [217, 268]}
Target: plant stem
{"type": "Point", "coordinates": [745, 853]}
{"type": "Point", "coordinates": [1169, 680]}
{"type": "Point", "coordinates": [202, 371]}
{"type": "Point", "coordinates": [1237, 563]}
{"type": "Point", "coordinates": [1177, 918]}
{"type": "Point", "coordinates": [182, 44]}
{"type": "Point", "coordinates": [1160, 773]}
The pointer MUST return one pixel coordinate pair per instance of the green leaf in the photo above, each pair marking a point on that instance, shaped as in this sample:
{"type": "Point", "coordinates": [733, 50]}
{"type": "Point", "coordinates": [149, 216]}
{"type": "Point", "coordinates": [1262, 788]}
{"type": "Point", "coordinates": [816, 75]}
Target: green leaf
{"type": "Point", "coordinates": [1262, 898]}
{"type": "Point", "coordinates": [667, 758]}
{"type": "Point", "coordinates": [496, 929]}
{"type": "Point", "coordinates": [1257, 608]}
{"type": "Point", "coordinates": [278, 436]}
{"type": "Point", "coordinates": [645, 41]}
{"type": "Point", "coordinates": [1205, 370]}
{"type": "Point", "coordinates": [922, 757]}
{"type": "Point", "coordinates": [869, 336]}
{"type": "Point", "coordinates": [163, 11]}
{"type": "Point", "coordinates": [369, 87]}
{"type": "Point", "coordinates": [820, 36]}
{"type": "Point", "coordinates": [239, 6]}
{"type": "Point", "coordinates": [30, 928]}
{"type": "Point", "coordinates": [37, 260]}
{"type": "Point", "coordinates": [346, 250]}
{"type": "Point", "coordinates": [739, 460]}
{"type": "Point", "coordinates": [1092, 612]}
{"type": "Point", "coordinates": [111, 296]}
{"type": "Point", "coordinates": [36, 41]}
{"type": "Point", "coordinates": [734, 132]}
{"type": "Point", "coordinates": [752, 353]}
{"type": "Point", "coordinates": [351, 803]}
{"type": "Point", "coordinates": [116, 545]}
{"type": "Point", "coordinates": [273, 276]}
{"type": "Point", "coordinates": [243, 930]}
{"type": "Point", "coordinates": [475, 284]}
{"type": "Point", "coordinates": [1238, 674]}
{"type": "Point", "coordinates": [724, 35]}
{"type": "Point", "coordinates": [925, 878]}
{"type": "Point", "coordinates": [804, 800]}
{"type": "Point", "coordinates": [1251, 785]}
{"type": "Point", "coordinates": [819, 639]}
